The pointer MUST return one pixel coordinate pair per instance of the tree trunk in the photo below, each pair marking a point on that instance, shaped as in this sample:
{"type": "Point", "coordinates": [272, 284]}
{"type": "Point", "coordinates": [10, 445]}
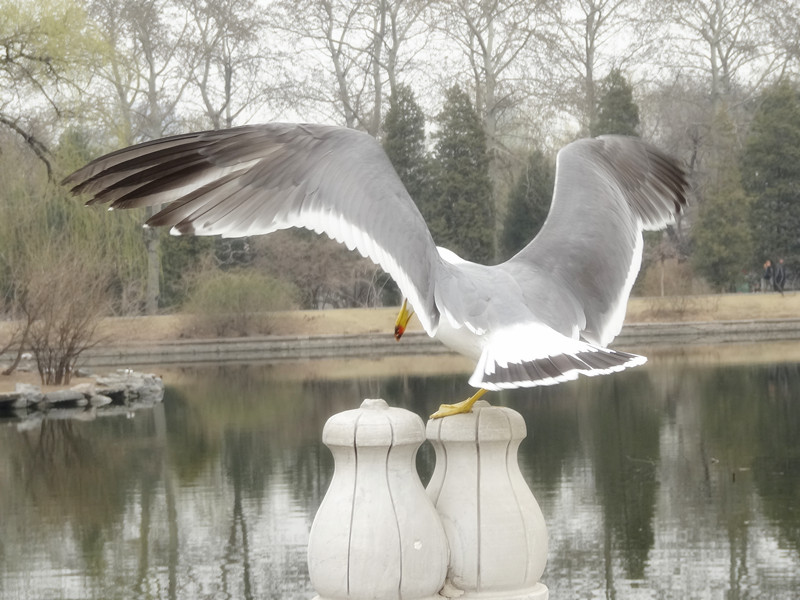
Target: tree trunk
{"type": "Point", "coordinates": [20, 348]}
{"type": "Point", "coordinates": [153, 289]}
{"type": "Point", "coordinates": [378, 42]}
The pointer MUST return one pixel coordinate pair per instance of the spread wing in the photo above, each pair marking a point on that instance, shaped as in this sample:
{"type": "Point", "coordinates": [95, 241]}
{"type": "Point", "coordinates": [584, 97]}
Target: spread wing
{"type": "Point", "coordinates": [258, 179]}
{"type": "Point", "coordinates": [578, 271]}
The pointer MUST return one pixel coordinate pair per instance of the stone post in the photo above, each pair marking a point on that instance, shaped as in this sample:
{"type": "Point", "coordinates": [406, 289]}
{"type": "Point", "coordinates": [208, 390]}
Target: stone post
{"type": "Point", "coordinates": [376, 535]}
{"type": "Point", "coordinates": [494, 526]}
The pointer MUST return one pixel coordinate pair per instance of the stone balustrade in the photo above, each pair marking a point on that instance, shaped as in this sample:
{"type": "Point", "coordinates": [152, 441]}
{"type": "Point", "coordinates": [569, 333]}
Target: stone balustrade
{"type": "Point", "coordinates": [477, 533]}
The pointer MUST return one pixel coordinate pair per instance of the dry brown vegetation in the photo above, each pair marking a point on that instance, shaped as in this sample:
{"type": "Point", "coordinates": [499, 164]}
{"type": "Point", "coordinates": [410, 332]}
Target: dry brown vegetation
{"type": "Point", "coordinates": [728, 307]}
{"type": "Point", "coordinates": [714, 307]}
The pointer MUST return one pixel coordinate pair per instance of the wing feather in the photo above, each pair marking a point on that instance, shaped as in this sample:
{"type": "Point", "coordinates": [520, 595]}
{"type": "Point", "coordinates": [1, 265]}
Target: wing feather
{"type": "Point", "coordinates": [257, 179]}
{"type": "Point", "coordinates": [581, 266]}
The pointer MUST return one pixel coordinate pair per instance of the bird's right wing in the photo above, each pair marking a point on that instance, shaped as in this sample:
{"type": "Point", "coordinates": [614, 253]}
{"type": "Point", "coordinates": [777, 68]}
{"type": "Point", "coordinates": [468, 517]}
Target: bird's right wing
{"type": "Point", "coordinates": [579, 270]}
{"type": "Point", "coordinates": [258, 179]}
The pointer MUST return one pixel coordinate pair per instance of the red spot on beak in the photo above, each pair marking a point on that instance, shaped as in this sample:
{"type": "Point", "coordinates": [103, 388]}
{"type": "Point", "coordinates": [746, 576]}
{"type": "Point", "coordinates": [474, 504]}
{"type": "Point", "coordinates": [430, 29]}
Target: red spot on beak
{"type": "Point", "coordinates": [402, 320]}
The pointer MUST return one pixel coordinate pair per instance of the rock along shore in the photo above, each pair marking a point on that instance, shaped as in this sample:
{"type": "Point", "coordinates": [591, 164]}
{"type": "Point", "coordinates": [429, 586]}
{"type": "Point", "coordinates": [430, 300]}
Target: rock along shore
{"type": "Point", "coordinates": [121, 390]}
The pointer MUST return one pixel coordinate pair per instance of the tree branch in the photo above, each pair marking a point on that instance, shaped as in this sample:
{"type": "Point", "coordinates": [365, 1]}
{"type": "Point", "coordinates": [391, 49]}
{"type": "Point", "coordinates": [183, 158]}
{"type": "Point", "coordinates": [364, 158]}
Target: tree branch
{"type": "Point", "coordinates": [37, 147]}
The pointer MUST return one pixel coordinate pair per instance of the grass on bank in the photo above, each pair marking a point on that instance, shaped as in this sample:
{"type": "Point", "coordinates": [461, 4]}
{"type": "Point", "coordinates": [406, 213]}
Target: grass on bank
{"type": "Point", "coordinates": [727, 307]}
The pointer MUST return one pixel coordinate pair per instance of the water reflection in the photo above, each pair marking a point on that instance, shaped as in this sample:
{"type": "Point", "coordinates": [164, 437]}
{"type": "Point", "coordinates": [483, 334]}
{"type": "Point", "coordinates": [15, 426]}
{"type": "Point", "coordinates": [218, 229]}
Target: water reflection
{"type": "Point", "coordinates": [672, 480]}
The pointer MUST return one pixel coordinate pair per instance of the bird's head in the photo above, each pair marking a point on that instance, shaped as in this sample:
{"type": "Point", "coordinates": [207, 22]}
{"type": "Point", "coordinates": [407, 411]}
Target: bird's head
{"type": "Point", "coordinates": [402, 320]}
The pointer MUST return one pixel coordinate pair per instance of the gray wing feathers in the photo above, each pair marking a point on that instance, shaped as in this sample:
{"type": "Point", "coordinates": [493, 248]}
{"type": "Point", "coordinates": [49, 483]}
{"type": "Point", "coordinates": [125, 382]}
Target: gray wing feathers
{"type": "Point", "coordinates": [581, 266]}
{"type": "Point", "coordinates": [257, 179]}
{"type": "Point", "coordinates": [654, 185]}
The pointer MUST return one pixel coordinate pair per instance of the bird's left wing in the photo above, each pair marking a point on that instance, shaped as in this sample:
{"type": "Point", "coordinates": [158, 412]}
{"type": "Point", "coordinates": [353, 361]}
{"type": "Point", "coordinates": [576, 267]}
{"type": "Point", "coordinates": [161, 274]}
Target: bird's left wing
{"type": "Point", "coordinates": [258, 179]}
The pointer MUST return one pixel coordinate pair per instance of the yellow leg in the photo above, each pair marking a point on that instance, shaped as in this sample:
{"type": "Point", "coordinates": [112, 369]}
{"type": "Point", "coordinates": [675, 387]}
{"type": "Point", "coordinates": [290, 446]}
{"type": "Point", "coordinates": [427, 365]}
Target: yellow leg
{"type": "Point", "coordinates": [465, 406]}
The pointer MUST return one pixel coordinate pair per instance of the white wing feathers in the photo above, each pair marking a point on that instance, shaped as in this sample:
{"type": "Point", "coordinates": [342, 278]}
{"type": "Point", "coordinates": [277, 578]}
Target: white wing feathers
{"type": "Point", "coordinates": [257, 179]}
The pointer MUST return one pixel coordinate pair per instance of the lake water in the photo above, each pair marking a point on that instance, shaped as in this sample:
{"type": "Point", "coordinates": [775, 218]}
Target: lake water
{"type": "Point", "coordinates": [679, 479]}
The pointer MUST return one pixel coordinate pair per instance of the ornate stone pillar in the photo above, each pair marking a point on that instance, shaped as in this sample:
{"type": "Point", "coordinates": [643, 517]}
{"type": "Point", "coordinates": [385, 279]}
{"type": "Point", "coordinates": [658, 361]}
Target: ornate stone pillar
{"type": "Point", "coordinates": [494, 526]}
{"type": "Point", "coordinates": [376, 535]}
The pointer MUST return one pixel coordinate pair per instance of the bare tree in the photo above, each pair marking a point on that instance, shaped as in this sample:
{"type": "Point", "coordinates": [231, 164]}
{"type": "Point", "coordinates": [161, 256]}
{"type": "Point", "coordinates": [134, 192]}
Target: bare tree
{"type": "Point", "coordinates": [240, 66]}
{"type": "Point", "coordinates": [719, 54]}
{"type": "Point", "coordinates": [783, 17]}
{"type": "Point", "coordinates": [332, 49]}
{"type": "Point", "coordinates": [498, 40]}
{"type": "Point", "coordinates": [728, 43]}
{"type": "Point", "coordinates": [63, 296]}
{"type": "Point", "coordinates": [590, 38]}
{"type": "Point", "coordinates": [150, 57]}
{"type": "Point", "coordinates": [19, 333]}
{"type": "Point", "coordinates": [358, 49]}
{"type": "Point", "coordinates": [501, 45]}
{"type": "Point", "coordinates": [351, 50]}
{"type": "Point", "coordinates": [46, 49]}
{"type": "Point", "coordinates": [20, 229]}
{"type": "Point", "coordinates": [398, 25]}
{"type": "Point", "coordinates": [404, 36]}
{"type": "Point", "coordinates": [324, 272]}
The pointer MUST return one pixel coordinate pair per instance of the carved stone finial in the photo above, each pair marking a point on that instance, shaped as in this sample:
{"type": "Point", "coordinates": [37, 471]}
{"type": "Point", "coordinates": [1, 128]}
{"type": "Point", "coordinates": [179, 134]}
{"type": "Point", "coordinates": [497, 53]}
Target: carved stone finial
{"type": "Point", "coordinates": [495, 528]}
{"type": "Point", "coordinates": [376, 534]}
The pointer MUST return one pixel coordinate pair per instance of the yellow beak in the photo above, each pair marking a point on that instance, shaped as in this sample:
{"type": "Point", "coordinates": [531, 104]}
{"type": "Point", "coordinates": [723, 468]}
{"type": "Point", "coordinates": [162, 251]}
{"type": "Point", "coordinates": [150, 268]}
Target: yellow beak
{"type": "Point", "coordinates": [401, 322]}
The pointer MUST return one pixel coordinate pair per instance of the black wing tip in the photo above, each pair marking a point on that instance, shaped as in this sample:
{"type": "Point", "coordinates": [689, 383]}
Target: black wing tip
{"type": "Point", "coordinates": [76, 181]}
{"type": "Point", "coordinates": [69, 181]}
{"type": "Point", "coordinates": [644, 160]}
{"type": "Point", "coordinates": [131, 155]}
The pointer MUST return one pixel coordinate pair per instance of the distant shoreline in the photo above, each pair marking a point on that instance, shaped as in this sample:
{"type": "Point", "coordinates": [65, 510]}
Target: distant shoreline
{"type": "Point", "coordinates": [164, 339]}
{"type": "Point", "coordinates": [632, 337]}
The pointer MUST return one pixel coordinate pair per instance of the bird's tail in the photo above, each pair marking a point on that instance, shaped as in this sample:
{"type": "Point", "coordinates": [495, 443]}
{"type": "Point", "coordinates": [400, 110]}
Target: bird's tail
{"type": "Point", "coordinates": [531, 355]}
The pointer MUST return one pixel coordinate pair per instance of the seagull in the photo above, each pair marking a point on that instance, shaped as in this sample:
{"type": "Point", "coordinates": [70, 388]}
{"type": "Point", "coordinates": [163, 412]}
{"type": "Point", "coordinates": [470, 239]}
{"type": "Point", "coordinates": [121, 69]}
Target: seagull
{"type": "Point", "coordinates": [542, 317]}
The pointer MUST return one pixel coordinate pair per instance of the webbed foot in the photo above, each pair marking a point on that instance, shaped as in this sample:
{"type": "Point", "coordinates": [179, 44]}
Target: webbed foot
{"type": "Point", "coordinates": [465, 406]}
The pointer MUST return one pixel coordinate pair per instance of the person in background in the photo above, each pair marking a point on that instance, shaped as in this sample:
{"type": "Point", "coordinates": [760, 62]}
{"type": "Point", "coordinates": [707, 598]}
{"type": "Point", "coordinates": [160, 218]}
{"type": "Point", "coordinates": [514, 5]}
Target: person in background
{"type": "Point", "coordinates": [766, 281]}
{"type": "Point", "coordinates": [779, 279]}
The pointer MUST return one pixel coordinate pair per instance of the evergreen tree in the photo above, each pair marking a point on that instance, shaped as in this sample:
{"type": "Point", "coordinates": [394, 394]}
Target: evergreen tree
{"type": "Point", "coordinates": [771, 172]}
{"type": "Point", "coordinates": [404, 143]}
{"type": "Point", "coordinates": [528, 203]}
{"type": "Point", "coordinates": [459, 211]}
{"type": "Point", "coordinates": [404, 140]}
{"type": "Point", "coordinates": [723, 247]}
{"type": "Point", "coordinates": [616, 110]}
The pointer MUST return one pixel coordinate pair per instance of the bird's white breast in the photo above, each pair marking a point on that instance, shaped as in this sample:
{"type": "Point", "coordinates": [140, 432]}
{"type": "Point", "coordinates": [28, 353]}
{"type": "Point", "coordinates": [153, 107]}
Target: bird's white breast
{"type": "Point", "coordinates": [461, 339]}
